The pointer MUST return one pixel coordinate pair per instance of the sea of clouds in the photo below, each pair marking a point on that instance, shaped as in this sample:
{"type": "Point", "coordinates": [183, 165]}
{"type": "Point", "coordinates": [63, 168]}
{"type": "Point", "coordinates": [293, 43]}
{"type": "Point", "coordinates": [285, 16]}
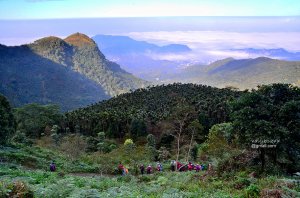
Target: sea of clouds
{"type": "Point", "coordinates": [208, 46]}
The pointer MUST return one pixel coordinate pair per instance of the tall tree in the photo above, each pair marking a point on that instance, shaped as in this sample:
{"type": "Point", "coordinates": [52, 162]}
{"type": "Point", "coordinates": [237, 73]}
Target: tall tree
{"type": "Point", "coordinates": [195, 129]}
{"type": "Point", "coordinates": [268, 114]}
{"type": "Point", "coordinates": [7, 123]}
{"type": "Point", "coordinates": [181, 116]}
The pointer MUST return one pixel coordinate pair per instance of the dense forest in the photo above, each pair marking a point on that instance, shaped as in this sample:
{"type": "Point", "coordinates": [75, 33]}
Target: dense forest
{"type": "Point", "coordinates": [151, 107]}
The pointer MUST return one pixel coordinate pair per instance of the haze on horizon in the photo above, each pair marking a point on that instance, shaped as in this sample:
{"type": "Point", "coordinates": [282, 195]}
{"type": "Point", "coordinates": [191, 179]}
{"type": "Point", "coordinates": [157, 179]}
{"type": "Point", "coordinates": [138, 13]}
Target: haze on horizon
{"type": "Point", "coordinates": [211, 28]}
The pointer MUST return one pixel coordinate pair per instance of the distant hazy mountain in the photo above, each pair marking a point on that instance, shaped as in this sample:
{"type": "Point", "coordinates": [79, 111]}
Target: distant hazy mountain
{"type": "Point", "coordinates": [139, 57]}
{"type": "Point", "coordinates": [244, 73]}
{"type": "Point", "coordinates": [278, 53]}
{"type": "Point", "coordinates": [113, 44]}
{"type": "Point", "coordinates": [71, 72]}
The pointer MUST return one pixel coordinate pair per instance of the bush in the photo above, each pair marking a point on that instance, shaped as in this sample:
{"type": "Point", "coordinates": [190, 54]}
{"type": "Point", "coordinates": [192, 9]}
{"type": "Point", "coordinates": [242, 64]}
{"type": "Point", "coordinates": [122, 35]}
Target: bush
{"type": "Point", "coordinates": [73, 146]}
{"type": "Point", "coordinates": [128, 142]}
{"type": "Point", "coordinates": [21, 138]}
{"type": "Point", "coordinates": [241, 183]}
{"type": "Point", "coordinates": [252, 191]}
{"type": "Point", "coordinates": [20, 189]}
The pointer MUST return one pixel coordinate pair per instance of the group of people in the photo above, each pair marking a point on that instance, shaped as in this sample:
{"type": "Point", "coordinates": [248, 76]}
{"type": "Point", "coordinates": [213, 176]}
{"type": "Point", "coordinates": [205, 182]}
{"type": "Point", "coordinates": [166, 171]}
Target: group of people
{"type": "Point", "coordinates": [174, 166]}
{"type": "Point", "coordinates": [149, 168]}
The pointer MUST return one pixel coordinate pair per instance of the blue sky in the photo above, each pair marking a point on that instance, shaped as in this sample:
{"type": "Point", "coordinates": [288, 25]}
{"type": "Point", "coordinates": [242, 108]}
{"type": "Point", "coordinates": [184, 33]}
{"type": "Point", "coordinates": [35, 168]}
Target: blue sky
{"type": "Point", "coordinates": [50, 9]}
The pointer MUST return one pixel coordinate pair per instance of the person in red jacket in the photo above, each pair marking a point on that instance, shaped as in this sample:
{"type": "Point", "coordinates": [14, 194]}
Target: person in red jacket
{"type": "Point", "coordinates": [178, 166]}
{"type": "Point", "coordinates": [121, 168]}
{"type": "Point", "coordinates": [190, 166]}
{"type": "Point", "coordinates": [149, 169]}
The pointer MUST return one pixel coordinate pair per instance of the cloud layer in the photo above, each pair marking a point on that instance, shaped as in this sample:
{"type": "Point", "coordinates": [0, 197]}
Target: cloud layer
{"type": "Point", "coordinates": [212, 45]}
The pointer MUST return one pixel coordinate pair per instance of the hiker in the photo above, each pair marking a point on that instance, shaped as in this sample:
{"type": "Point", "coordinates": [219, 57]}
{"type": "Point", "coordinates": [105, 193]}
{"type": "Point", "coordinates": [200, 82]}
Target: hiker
{"type": "Point", "coordinates": [125, 171]}
{"type": "Point", "coordinates": [149, 169]}
{"type": "Point", "coordinates": [179, 165]}
{"type": "Point", "coordinates": [142, 168]}
{"type": "Point", "coordinates": [198, 167]}
{"type": "Point", "coordinates": [159, 167]}
{"type": "Point", "coordinates": [210, 168]}
{"type": "Point", "coordinates": [173, 164]}
{"type": "Point", "coordinates": [121, 169]}
{"type": "Point", "coordinates": [190, 166]}
{"type": "Point", "coordinates": [52, 167]}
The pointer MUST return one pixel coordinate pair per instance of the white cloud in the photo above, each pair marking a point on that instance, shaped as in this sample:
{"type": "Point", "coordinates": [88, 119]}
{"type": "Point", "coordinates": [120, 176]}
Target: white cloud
{"type": "Point", "coordinates": [224, 40]}
{"type": "Point", "coordinates": [212, 45]}
{"type": "Point", "coordinates": [173, 56]}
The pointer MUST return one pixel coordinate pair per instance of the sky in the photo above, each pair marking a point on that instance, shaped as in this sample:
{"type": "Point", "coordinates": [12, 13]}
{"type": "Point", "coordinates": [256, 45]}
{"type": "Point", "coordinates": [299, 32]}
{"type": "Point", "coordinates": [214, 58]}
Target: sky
{"type": "Point", "coordinates": [53, 9]}
{"type": "Point", "coordinates": [212, 28]}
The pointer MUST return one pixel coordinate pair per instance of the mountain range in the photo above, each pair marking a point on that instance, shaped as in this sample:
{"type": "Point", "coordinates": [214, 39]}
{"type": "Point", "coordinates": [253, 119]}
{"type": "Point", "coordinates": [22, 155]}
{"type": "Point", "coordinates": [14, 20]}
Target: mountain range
{"type": "Point", "coordinates": [278, 53]}
{"type": "Point", "coordinates": [141, 58]}
{"type": "Point", "coordinates": [241, 73]}
{"type": "Point", "coordinates": [71, 72]}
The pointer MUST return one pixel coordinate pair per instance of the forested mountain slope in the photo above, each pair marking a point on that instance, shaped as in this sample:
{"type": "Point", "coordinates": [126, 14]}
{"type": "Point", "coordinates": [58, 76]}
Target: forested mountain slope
{"type": "Point", "coordinates": [71, 72]}
{"type": "Point", "coordinates": [243, 73]}
{"type": "Point", "coordinates": [27, 77]}
{"type": "Point", "coordinates": [151, 106]}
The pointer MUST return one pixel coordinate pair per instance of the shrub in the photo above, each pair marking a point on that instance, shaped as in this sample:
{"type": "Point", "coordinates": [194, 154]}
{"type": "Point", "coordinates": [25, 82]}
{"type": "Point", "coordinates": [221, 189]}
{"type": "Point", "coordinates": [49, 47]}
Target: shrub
{"type": "Point", "coordinates": [129, 146]}
{"type": "Point", "coordinates": [252, 191]}
{"type": "Point", "coordinates": [73, 145]}
{"type": "Point", "coordinates": [21, 189]}
{"type": "Point", "coordinates": [163, 154]}
{"type": "Point", "coordinates": [241, 183]}
{"type": "Point", "coordinates": [128, 142]}
{"type": "Point", "coordinates": [21, 138]}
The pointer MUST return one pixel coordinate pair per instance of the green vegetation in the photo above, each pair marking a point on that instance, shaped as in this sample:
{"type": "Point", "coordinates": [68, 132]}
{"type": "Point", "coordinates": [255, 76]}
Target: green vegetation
{"type": "Point", "coordinates": [270, 113]}
{"type": "Point", "coordinates": [16, 180]}
{"type": "Point", "coordinates": [71, 72]}
{"type": "Point", "coordinates": [242, 74]}
{"type": "Point", "coordinates": [153, 107]}
{"type": "Point", "coordinates": [7, 123]}
{"type": "Point", "coordinates": [216, 128]}
{"type": "Point", "coordinates": [33, 119]}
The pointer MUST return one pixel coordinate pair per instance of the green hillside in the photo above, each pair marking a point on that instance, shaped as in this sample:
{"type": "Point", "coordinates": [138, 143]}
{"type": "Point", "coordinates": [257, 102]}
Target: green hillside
{"type": "Point", "coordinates": [27, 77]}
{"type": "Point", "coordinates": [71, 73]}
{"type": "Point", "coordinates": [215, 128]}
{"type": "Point", "coordinates": [243, 73]}
{"type": "Point", "coordinates": [151, 106]}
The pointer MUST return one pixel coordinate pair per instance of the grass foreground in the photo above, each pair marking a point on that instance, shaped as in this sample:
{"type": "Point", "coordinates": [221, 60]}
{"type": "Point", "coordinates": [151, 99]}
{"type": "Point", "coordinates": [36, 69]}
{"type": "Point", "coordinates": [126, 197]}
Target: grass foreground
{"type": "Point", "coordinates": [24, 173]}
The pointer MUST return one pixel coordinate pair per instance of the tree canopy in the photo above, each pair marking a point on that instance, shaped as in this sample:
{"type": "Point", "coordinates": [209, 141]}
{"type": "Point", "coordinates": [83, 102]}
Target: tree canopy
{"type": "Point", "coordinates": [267, 115]}
{"type": "Point", "coordinates": [32, 119]}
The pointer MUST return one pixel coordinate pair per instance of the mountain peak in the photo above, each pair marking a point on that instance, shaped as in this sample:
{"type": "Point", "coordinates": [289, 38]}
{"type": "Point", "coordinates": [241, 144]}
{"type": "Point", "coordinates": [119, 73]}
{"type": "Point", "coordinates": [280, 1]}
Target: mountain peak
{"type": "Point", "coordinates": [79, 40]}
{"type": "Point", "coordinates": [49, 39]}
